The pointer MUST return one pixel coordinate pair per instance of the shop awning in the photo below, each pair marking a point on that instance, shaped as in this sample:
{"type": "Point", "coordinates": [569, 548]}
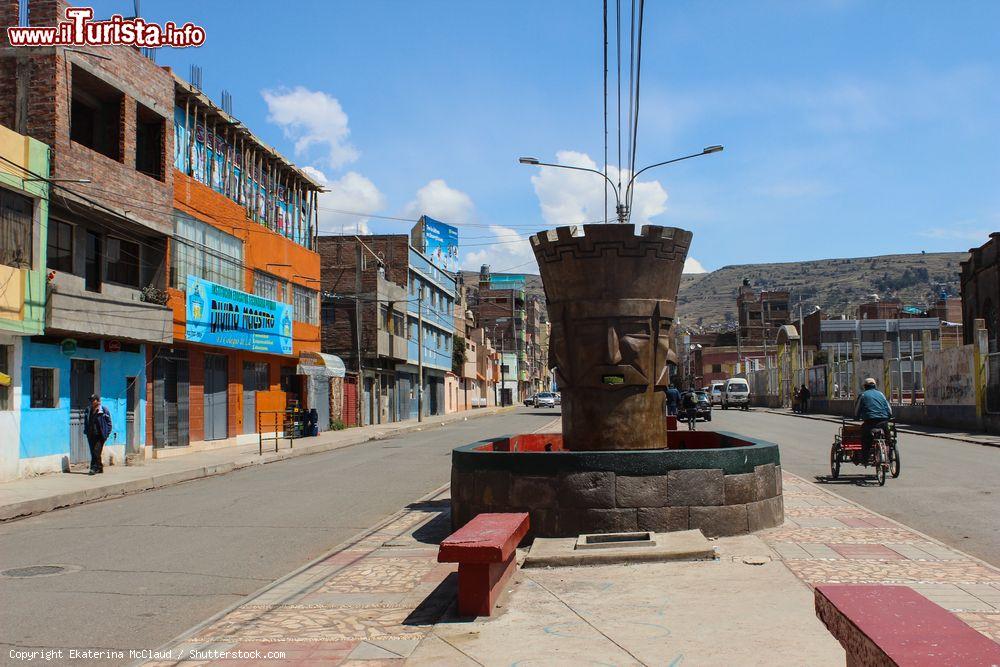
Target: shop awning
{"type": "Point", "coordinates": [317, 363]}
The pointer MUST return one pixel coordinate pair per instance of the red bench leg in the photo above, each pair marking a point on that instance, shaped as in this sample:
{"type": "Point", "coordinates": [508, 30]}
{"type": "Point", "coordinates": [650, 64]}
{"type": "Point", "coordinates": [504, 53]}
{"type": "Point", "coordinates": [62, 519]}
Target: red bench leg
{"type": "Point", "coordinates": [480, 585]}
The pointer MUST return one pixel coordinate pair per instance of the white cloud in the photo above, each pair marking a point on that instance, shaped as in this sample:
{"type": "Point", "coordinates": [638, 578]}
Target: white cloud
{"type": "Point", "coordinates": [313, 119]}
{"type": "Point", "coordinates": [351, 192]}
{"type": "Point", "coordinates": [691, 265]}
{"type": "Point", "coordinates": [510, 252]}
{"type": "Point", "coordinates": [959, 231]}
{"type": "Point", "coordinates": [438, 200]}
{"type": "Point", "coordinates": [569, 197]}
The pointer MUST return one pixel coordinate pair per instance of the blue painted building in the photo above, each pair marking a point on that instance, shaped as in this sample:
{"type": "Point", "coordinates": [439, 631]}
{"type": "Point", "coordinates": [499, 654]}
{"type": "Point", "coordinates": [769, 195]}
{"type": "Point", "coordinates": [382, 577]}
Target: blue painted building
{"type": "Point", "coordinates": [437, 303]}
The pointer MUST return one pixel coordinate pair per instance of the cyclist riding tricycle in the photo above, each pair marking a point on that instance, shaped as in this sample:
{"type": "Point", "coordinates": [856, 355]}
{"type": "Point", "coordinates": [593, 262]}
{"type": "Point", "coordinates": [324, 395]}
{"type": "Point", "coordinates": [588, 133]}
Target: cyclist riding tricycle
{"type": "Point", "coordinates": [871, 443]}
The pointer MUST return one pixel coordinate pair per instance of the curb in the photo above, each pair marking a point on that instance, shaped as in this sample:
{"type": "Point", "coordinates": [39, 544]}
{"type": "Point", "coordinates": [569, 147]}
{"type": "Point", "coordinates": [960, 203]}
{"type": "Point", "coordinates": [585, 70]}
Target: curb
{"type": "Point", "coordinates": [349, 542]}
{"type": "Point", "coordinates": [26, 508]}
{"type": "Point", "coordinates": [901, 429]}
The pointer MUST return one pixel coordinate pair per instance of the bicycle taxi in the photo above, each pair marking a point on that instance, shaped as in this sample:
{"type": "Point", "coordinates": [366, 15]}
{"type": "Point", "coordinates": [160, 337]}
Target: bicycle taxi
{"type": "Point", "coordinates": [846, 448]}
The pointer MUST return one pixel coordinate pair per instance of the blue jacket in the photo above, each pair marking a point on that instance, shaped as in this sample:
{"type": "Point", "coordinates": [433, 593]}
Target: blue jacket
{"type": "Point", "coordinates": [673, 396]}
{"type": "Point", "coordinates": [103, 422]}
{"type": "Point", "coordinates": [872, 405]}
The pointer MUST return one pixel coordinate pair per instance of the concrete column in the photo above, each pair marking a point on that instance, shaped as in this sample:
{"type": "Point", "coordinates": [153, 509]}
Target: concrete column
{"type": "Point", "coordinates": [887, 368]}
{"type": "Point", "coordinates": [854, 380]}
{"type": "Point", "coordinates": [980, 343]}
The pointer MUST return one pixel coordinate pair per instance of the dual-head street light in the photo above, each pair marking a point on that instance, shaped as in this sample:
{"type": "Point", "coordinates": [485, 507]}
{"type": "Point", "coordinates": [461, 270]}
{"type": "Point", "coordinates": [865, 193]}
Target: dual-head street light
{"type": "Point", "coordinates": [622, 207]}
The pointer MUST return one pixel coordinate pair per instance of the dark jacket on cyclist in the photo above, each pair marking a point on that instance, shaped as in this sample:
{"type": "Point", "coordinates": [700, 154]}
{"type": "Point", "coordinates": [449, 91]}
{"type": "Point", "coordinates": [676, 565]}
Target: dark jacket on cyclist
{"type": "Point", "coordinates": [874, 411]}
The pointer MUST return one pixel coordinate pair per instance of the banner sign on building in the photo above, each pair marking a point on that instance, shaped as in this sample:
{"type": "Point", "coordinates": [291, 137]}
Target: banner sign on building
{"type": "Point", "coordinates": [220, 315]}
{"type": "Point", "coordinates": [439, 241]}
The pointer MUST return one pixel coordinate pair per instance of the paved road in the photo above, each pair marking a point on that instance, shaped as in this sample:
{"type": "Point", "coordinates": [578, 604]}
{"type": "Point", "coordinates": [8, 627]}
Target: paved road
{"type": "Point", "coordinates": [154, 564]}
{"type": "Point", "coordinates": [946, 489]}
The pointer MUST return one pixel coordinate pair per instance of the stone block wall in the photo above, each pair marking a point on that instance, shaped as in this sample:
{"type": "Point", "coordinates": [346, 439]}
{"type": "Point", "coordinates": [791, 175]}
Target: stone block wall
{"type": "Point", "coordinates": [569, 503]}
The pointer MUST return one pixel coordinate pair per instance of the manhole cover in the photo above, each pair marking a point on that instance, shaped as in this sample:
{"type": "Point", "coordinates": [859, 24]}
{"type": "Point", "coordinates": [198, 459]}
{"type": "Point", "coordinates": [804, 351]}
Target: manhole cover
{"type": "Point", "coordinates": [36, 571]}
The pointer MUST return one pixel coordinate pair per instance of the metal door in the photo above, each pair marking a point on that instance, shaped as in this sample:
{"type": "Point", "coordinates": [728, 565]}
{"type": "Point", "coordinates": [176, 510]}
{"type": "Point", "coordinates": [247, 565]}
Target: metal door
{"type": "Point", "coordinates": [130, 406]}
{"type": "Point", "coordinates": [254, 380]}
{"type": "Point", "coordinates": [321, 401]}
{"type": "Point", "coordinates": [81, 386]}
{"type": "Point", "coordinates": [216, 397]}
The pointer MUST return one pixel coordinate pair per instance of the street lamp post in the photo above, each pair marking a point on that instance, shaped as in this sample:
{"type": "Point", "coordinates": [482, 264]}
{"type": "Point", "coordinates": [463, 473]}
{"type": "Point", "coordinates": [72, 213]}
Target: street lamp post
{"type": "Point", "coordinates": [622, 208]}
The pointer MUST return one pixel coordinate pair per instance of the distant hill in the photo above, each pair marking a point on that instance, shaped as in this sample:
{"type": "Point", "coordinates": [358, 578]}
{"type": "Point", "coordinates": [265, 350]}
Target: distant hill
{"type": "Point", "coordinates": [707, 300]}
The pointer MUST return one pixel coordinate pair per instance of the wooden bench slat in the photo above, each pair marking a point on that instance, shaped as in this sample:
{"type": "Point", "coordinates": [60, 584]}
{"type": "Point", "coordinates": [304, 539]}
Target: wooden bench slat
{"type": "Point", "coordinates": [895, 625]}
{"type": "Point", "coordinates": [488, 538]}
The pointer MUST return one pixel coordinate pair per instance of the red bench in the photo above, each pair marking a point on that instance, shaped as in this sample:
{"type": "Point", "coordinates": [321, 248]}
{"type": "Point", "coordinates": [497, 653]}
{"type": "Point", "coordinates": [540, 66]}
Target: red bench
{"type": "Point", "coordinates": [485, 550]}
{"type": "Point", "coordinates": [895, 625]}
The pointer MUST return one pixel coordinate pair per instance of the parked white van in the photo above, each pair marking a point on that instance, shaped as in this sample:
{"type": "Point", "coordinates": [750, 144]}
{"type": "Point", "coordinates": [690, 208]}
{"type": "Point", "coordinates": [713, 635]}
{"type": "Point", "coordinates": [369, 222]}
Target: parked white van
{"type": "Point", "coordinates": [736, 394]}
{"type": "Point", "coordinates": [715, 393]}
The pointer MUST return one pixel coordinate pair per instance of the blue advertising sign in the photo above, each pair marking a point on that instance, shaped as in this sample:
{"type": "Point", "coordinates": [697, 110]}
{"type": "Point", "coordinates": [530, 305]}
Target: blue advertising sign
{"type": "Point", "coordinates": [441, 244]}
{"type": "Point", "coordinates": [220, 315]}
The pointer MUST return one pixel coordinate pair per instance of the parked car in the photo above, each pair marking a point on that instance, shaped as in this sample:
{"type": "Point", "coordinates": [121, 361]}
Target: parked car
{"type": "Point", "coordinates": [702, 409]}
{"type": "Point", "coordinates": [545, 399]}
{"type": "Point", "coordinates": [530, 400]}
{"type": "Point", "coordinates": [736, 394]}
{"type": "Point", "coordinates": [558, 398]}
{"type": "Point", "coordinates": [715, 393]}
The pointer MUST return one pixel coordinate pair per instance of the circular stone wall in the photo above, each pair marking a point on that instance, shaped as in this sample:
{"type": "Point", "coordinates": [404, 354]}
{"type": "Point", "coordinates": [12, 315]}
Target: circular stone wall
{"type": "Point", "coordinates": [731, 489]}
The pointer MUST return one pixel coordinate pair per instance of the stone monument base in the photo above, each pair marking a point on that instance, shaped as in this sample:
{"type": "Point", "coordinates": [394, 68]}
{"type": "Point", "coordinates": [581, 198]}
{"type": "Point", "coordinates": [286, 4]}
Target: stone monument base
{"type": "Point", "coordinates": [721, 483]}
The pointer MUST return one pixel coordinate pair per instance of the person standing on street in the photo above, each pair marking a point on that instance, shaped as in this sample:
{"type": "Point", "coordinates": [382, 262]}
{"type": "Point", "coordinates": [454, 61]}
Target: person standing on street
{"type": "Point", "coordinates": [804, 395]}
{"type": "Point", "coordinates": [97, 427]}
{"type": "Point", "coordinates": [874, 412]}
{"type": "Point", "coordinates": [673, 399]}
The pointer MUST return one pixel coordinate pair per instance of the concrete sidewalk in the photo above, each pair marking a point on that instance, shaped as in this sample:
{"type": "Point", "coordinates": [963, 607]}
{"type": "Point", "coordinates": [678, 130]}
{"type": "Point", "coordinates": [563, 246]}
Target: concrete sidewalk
{"type": "Point", "coordinates": [383, 599]}
{"type": "Point", "coordinates": [43, 493]}
{"type": "Point", "coordinates": [985, 439]}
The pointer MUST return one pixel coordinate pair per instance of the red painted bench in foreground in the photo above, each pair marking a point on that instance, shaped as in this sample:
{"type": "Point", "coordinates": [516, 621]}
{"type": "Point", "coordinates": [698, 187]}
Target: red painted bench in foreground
{"type": "Point", "coordinates": [896, 626]}
{"type": "Point", "coordinates": [485, 550]}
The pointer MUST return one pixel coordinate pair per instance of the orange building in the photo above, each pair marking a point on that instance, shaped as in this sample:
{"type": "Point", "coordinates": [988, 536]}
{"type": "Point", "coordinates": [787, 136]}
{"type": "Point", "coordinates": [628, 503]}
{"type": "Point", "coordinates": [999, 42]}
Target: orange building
{"type": "Point", "coordinates": [242, 285]}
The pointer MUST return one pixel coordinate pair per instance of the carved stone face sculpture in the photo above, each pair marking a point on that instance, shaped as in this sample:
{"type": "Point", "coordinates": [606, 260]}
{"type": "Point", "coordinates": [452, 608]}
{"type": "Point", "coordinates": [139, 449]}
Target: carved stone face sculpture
{"type": "Point", "coordinates": [611, 299]}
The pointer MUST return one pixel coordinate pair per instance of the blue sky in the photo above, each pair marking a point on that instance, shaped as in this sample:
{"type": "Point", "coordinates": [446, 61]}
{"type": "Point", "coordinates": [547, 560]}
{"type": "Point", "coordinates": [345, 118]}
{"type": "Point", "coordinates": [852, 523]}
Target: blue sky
{"type": "Point", "coordinates": [851, 128]}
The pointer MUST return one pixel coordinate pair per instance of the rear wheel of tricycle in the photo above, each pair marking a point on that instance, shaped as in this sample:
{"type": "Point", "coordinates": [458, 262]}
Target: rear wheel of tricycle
{"type": "Point", "coordinates": [834, 461]}
{"type": "Point", "coordinates": [894, 461]}
{"type": "Point", "coordinates": [881, 461]}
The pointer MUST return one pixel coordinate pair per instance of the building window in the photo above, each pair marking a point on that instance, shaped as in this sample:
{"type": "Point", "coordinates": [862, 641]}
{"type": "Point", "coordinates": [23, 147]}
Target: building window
{"type": "Point", "coordinates": [383, 318]}
{"type": "Point", "coordinates": [149, 131]}
{"type": "Point", "coordinates": [269, 287]}
{"type": "Point", "coordinates": [122, 259]}
{"type": "Point", "coordinates": [716, 368]}
{"type": "Point", "coordinates": [16, 215]}
{"type": "Point", "coordinates": [304, 304]}
{"type": "Point", "coordinates": [43, 387]}
{"type": "Point", "coordinates": [96, 114]}
{"type": "Point", "coordinates": [397, 324]}
{"type": "Point", "coordinates": [203, 251]}
{"type": "Point", "coordinates": [328, 312]}
{"type": "Point", "coordinates": [5, 351]}
{"type": "Point", "coordinates": [60, 246]}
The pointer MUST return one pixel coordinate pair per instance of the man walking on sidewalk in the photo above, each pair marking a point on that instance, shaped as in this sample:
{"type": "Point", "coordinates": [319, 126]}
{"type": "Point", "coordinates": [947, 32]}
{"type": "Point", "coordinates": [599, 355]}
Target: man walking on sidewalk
{"type": "Point", "coordinates": [804, 395]}
{"type": "Point", "coordinates": [97, 427]}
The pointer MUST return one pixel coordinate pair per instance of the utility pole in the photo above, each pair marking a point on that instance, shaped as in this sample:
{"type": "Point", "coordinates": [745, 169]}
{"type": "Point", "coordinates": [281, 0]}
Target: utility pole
{"type": "Point", "coordinates": [503, 374]}
{"type": "Point", "coordinates": [358, 258]}
{"type": "Point", "coordinates": [420, 354]}
{"type": "Point", "coordinates": [802, 349]}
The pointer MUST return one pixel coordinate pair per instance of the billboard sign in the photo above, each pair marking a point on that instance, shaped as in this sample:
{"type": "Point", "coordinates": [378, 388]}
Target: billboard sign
{"type": "Point", "coordinates": [220, 315]}
{"type": "Point", "coordinates": [440, 244]}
